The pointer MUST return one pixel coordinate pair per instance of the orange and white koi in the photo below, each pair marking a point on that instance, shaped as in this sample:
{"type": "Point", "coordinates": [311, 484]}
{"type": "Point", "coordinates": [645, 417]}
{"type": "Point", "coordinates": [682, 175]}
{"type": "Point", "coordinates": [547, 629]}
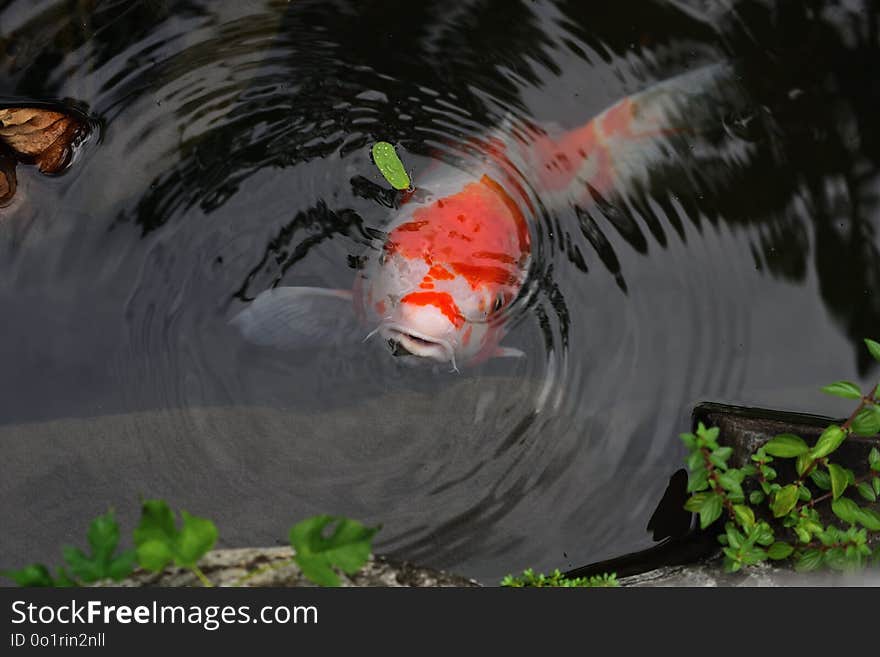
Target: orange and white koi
{"type": "Point", "coordinates": [451, 263]}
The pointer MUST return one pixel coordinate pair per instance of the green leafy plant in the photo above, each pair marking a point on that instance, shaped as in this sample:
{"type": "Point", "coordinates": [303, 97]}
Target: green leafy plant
{"type": "Point", "coordinates": [102, 563]}
{"type": "Point", "coordinates": [557, 579]}
{"type": "Point", "coordinates": [347, 547]}
{"type": "Point", "coordinates": [780, 520]}
{"type": "Point", "coordinates": [390, 166]}
{"type": "Point", "coordinates": [159, 541]}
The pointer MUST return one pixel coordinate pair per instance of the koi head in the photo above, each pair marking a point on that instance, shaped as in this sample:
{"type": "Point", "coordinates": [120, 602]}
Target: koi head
{"type": "Point", "coordinates": [445, 274]}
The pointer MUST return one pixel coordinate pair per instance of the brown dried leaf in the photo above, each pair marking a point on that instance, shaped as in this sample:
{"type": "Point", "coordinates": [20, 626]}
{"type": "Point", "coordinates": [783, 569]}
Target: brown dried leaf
{"type": "Point", "coordinates": [7, 176]}
{"type": "Point", "coordinates": [43, 135]}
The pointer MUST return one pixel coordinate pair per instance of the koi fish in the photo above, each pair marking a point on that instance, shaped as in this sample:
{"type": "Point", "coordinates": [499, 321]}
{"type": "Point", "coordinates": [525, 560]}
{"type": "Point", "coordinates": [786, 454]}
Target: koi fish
{"type": "Point", "coordinates": [452, 262]}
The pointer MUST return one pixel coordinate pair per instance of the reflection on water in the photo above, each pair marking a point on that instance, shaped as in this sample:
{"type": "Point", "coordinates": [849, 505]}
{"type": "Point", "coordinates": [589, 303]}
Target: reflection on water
{"type": "Point", "coordinates": [234, 156]}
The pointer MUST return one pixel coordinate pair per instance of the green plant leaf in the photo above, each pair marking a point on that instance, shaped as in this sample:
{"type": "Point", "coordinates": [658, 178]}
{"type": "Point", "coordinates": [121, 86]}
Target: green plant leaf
{"type": "Point", "coordinates": [779, 550]}
{"type": "Point", "coordinates": [803, 463]}
{"type": "Point", "coordinates": [730, 484]}
{"type": "Point", "coordinates": [829, 441]}
{"type": "Point", "coordinates": [35, 574]}
{"type": "Point", "coordinates": [875, 484]}
{"type": "Point", "coordinates": [867, 421]}
{"type": "Point", "coordinates": [695, 502]}
{"type": "Point", "coordinates": [866, 491]}
{"type": "Point", "coordinates": [158, 541]}
{"type": "Point", "coordinates": [845, 509]}
{"type": "Point", "coordinates": [809, 560]}
{"type": "Point", "coordinates": [874, 459]}
{"type": "Point", "coordinates": [784, 500]}
{"type": "Point", "coordinates": [711, 510]}
{"type": "Point", "coordinates": [874, 348]}
{"type": "Point", "coordinates": [786, 445]}
{"type": "Point", "coordinates": [698, 480]}
{"type": "Point", "coordinates": [821, 479]}
{"type": "Point", "coordinates": [196, 538]}
{"type": "Point", "coordinates": [154, 554]}
{"type": "Point", "coordinates": [839, 479]}
{"type": "Point", "coordinates": [845, 389]}
{"type": "Point", "coordinates": [347, 547]}
{"type": "Point", "coordinates": [762, 534]}
{"type": "Point", "coordinates": [744, 516]}
{"type": "Point", "coordinates": [102, 563]}
{"type": "Point", "coordinates": [389, 165]}
{"type": "Point", "coordinates": [869, 519]}
{"type": "Point", "coordinates": [756, 497]}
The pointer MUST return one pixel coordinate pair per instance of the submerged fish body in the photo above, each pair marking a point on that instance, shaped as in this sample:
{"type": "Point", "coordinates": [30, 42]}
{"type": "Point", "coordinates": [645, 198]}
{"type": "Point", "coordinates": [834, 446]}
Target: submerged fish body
{"type": "Point", "coordinates": [436, 287]}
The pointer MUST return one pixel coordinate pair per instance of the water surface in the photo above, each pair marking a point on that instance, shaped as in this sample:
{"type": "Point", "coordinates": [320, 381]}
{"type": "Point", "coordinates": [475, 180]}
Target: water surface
{"type": "Point", "coordinates": [232, 154]}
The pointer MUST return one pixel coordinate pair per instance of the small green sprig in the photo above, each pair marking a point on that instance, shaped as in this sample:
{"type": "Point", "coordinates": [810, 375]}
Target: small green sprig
{"type": "Point", "coordinates": [103, 563]}
{"type": "Point", "coordinates": [159, 541]}
{"type": "Point", "coordinates": [750, 532]}
{"type": "Point", "coordinates": [557, 579]}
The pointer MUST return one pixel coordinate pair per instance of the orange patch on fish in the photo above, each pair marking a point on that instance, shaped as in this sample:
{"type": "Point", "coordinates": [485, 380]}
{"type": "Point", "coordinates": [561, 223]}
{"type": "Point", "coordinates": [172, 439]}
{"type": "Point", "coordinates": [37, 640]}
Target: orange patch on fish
{"type": "Point", "coordinates": [470, 233]}
{"type": "Point", "coordinates": [441, 300]}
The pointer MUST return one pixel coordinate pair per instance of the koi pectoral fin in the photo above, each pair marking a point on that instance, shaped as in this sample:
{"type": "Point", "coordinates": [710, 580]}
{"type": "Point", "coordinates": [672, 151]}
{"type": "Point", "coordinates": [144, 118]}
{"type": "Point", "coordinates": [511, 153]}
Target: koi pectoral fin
{"type": "Point", "coordinates": [508, 352]}
{"type": "Point", "coordinates": [299, 318]}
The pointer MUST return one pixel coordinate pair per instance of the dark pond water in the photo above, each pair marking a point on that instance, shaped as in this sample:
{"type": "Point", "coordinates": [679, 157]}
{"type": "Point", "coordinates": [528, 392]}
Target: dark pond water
{"type": "Point", "coordinates": [233, 154]}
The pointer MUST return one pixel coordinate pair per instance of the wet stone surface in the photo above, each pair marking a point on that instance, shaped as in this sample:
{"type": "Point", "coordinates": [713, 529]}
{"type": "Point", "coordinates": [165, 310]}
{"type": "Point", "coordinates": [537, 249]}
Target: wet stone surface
{"type": "Point", "coordinates": [274, 567]}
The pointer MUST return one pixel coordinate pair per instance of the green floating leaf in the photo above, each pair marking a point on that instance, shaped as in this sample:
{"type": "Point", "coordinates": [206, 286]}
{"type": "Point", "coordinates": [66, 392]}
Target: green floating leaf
{"type": "Point", "coordinates": [830, 440]}
{"type": "Point", "coordinates": [102, 563]}
{"type": "Point", "coordinates": [347, 548]}
{"type": "Point", "coordinates": [389, 165]}
{"type": "Point", "coordinates": [839, 479]}
{"type": "Point", "coordinates": [784, 500]}
{"type": "Point", "coordinates": [845, 389]}
{"type": "Point", "coordinates": [786, 445]}
{"type": "Point", "coordinates": [159, 542]}
{"type": "Point", "coordinates": [867, 421]}
{"type": "Point", "coordinates": [874, 348]}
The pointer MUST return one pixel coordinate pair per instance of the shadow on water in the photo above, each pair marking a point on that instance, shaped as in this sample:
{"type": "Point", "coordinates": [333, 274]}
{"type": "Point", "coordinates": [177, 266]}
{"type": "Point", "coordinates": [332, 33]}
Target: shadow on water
{"type": "Point", "coordinates": [234, 158]}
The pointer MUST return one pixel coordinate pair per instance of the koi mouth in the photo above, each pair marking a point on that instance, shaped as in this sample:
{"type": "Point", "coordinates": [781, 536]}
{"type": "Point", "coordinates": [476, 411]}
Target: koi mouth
{"type": "Point", "coordinates": [405, 342]}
